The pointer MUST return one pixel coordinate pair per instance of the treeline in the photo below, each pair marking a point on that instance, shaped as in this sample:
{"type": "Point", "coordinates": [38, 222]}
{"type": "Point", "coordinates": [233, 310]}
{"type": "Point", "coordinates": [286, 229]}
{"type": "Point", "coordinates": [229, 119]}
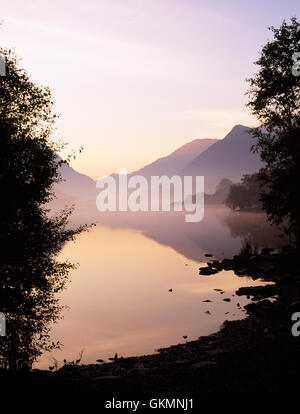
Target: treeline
{"type": "Point", "coordinates": [246, 195]}
{"type": "Point", "coordinates": [274, 99]}
{"type": "Point", "coordinates": [31, 273]}
{"type": "Point", "coordinates": [221, 193]}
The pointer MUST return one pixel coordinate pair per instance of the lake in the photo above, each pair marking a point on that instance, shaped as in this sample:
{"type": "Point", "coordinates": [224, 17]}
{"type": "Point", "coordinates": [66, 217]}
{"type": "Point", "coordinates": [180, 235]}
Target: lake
{"type": "Point", "coordinates": [118, 298]}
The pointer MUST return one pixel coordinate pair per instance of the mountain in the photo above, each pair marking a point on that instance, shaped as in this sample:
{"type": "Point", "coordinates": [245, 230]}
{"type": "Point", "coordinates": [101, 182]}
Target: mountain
{"type": "Point", "coordinates": [214, 159]}
{"type": "Point", "coordinates": [75, 186]}
{"type": "Point", "coordinates": [177, 160]}
{"type": "Point", "coordinates": [229, 158]}
{"type": "Point", "coordinates": [79, 189]}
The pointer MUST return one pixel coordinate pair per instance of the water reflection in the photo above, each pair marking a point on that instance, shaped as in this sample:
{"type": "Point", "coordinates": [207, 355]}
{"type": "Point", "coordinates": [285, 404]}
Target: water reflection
{"type": "Point", "coordinates": [119, 299]}
{"type": "Point", "coordinates": [221, 232]}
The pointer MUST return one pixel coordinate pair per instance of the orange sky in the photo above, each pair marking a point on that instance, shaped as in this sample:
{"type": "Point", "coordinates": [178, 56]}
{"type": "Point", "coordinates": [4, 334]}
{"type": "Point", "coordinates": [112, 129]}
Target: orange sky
{"type": "Point", "coordinates": [135, 79]}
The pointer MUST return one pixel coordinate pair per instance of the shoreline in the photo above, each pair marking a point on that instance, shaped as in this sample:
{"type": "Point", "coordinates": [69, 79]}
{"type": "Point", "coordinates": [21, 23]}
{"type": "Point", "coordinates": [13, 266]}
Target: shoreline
{"type": "Point", "coordinates": [257, 354]}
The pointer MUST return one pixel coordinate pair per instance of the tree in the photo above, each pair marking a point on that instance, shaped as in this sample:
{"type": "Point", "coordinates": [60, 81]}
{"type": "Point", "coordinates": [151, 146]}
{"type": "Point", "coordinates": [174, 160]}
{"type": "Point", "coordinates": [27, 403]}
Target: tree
{"type": "Point", "coordinates": [221, 192]}
{"type": "Point", "coordinates": [30, 239]}
{"type": "Point", "coordinates": [223, 189]}
{"type": "Point", "coordinates": [274, 99]}
{"type": "Point", "coordinates": [246, 194]}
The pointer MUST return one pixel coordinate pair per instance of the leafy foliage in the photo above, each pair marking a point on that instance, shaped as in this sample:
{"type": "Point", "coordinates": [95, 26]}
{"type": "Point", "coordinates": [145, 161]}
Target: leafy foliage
{"type": "Point", "coordinates": [30, 238]}
{"type": "Point", "coordinates": [274, 91]}
{"type": "Point", "coordinates": [274, 98]}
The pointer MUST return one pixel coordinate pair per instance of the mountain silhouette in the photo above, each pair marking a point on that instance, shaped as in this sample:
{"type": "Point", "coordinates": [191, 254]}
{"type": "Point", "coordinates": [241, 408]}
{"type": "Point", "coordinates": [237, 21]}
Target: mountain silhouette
{"type": "Point", "coordinates": [74, 185]}
{"type": "Point", "coordinates": [229, 158]}
{"type": "Point", "coordinates": [215, 159]}
{"type": "Point", "coordinates": [177, 160]}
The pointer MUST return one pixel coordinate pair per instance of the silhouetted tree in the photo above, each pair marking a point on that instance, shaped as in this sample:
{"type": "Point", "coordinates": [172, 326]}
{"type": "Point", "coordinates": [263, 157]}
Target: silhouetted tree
{"type": "Point", "coordinates": [246, 194]}
{"type": "Point", "coordinates": [223, 188]}
{"type": "Point", "coordinates": [221, 193]}
{"type": "Point", "coordinates": [274, 99]}
{"type": "Point", "coordinates": [30, 239]}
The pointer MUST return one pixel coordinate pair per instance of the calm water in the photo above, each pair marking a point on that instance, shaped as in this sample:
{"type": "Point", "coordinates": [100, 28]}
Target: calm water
{"type": "Point", "coordinates": [118, 299]}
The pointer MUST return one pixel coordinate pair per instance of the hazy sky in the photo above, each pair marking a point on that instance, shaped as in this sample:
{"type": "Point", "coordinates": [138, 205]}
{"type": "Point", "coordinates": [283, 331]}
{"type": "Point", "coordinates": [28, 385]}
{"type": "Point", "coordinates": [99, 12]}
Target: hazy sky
{"type": "Point", "coordinates": [135, 79]}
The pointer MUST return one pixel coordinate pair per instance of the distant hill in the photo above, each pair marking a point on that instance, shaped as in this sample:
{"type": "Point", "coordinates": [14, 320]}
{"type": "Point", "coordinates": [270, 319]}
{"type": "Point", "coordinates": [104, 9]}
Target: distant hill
{"type": "Point", "coordinates": [75, 186]}
{"type": "Point", "coordinates": [215, 159]}
{"type": "Point", "coordinates": [177, 160]}
{"type": "Point", "coordinates": [229, 157]}
{"type": "Point", "coordinates": [80, 189]}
